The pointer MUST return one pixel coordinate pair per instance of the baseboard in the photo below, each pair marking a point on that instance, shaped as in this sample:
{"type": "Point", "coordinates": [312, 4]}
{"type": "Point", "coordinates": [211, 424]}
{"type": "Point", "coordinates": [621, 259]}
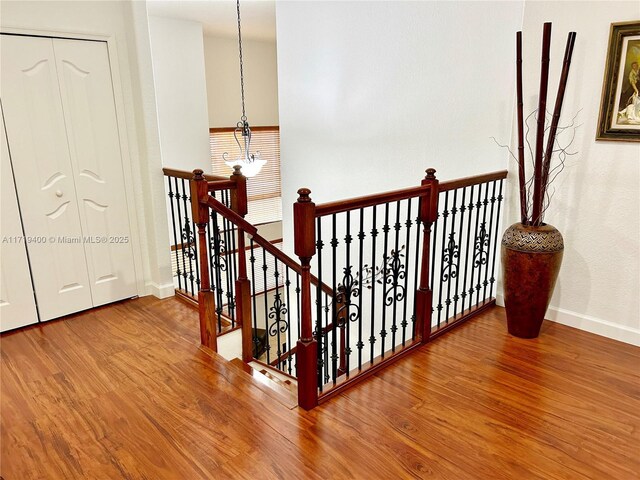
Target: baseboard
{"type": "Point", "coordinates": [598, 326]}
{"type": "Point", "coordinates": [160, 291]}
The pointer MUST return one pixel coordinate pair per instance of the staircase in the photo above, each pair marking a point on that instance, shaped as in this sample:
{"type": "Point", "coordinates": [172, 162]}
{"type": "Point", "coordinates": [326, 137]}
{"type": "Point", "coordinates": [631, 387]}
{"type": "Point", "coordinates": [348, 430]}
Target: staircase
{"type": "Point", "coordinates": [376, 276]}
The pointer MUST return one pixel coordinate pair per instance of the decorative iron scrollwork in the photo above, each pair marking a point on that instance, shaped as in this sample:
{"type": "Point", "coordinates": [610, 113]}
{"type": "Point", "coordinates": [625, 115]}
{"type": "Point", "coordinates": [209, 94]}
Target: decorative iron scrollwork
{"type": "Point", "coordinates": [394, 290]}
{"type": "Point", "coordinates": [277, 313]}
{"type": "Point", "coordinates": [481, 246]}
{"type": "Point", "coordinates": [347, 291]}
{"type": "Point", "coordinates": [449, 255]}
{"type": "Point", "coordinates": [392, 268]}
{"type": "Point", "coordinates": [219, 249]}
{"type": "Point", "coordinates": [189, 250]}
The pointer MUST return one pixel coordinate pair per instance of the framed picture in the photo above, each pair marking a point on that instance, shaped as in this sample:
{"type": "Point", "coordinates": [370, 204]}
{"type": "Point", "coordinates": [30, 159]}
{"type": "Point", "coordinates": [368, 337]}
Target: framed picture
{"type": "Point", "coordinates": [620, 104]}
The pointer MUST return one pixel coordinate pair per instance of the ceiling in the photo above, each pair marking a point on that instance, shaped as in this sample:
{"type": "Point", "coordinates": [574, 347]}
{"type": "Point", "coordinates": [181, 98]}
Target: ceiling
{"type": "Point", "coordinates": [218, 17]}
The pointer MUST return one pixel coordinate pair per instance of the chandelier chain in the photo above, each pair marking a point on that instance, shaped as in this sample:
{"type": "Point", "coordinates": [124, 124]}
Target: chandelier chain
{"type": "Point", "coordinates": [244, 115]}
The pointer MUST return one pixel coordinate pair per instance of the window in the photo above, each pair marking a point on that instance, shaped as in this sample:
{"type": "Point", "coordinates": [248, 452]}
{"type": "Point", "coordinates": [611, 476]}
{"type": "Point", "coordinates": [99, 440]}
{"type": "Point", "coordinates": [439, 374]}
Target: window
{"type": "Point", "coordinates": [264, 190]}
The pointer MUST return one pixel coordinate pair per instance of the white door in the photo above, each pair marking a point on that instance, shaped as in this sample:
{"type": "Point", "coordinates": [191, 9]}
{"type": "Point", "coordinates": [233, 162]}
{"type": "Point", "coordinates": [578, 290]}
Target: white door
{"type": "Point", "coordinates": [94, 144]}
{"type": "Point", "coordinates": [60, 114]}
{"type": "Point", "coordinates": [17, 304]}
{"type": "Point", "coordinates": [44, 177]}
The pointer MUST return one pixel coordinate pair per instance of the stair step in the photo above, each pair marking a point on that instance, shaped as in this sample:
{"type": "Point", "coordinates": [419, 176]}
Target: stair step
{"type": "Point", "coordinates": [284, 383]}
{"type": "Point", "coordinates": [275, 389]}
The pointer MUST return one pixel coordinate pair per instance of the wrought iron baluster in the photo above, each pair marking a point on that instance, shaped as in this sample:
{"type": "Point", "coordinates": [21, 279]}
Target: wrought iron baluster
{"type": "Point", "coordinates": [319, 308]}
{"type": "Point", "coordinates": [491, 239]}
{"type": "Point", "coordinates": [189, 237]}
{"type": "Point", "coordinates": [453, 253]}
{"type": "Point", "coordinates": [483, 243]}
{"type": "Point", "coordinates": [219, 264]}
{"type": "Point", "coordinates": [175, 235]}
{"type": "Point", "coordinates": [396, 263]}
{"type": "Point", "coordinates": [233, 254]}
{"type": "Point", "coordinates": [466, 257]}
{"type": "Point", "coordinates": [182, 251]}
{"type": "Point", "coordinates": [227, 252]}
{"type": "Point", "coordinates": [195, 257]}
{"type": "Point", "coordinates": [276, 313]}
{"type": "Point", "coordinates": [372, 284]}
{"type": "Point", "coordinates": [287, 284]}
{"type": "Point", "coordinates": [326, 343]}
{"type": "Point", "coordinates": [495, 243]}
{"type": "Point", "coordinates": [252, 262]}
{"type": "Point", "coordinates": [266, 303]}
{"type": "Point", "coordinates": [385, 258]}
{"type": "Point", "coordinates": [445, 215]}
{"type": "Point", "coordinates": [347, 283]}
{"type": "Point", "coordinates": [408, 224]}
{"type": "Point", "coordinates": [474, 263]}
{"type": "Point", "coordinates": [361, 236]}
{"type": "Point", "coordinates": [209, 249]}
{"type": "Point", "coordinates": [463, 208]}
{"type": "Point", "coordinates": [334, 316]}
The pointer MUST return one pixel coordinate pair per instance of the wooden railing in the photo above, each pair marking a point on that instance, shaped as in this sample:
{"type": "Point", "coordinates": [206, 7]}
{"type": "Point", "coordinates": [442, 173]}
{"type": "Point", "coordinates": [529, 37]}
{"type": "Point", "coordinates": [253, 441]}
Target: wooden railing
{"type": "Point", "coordinates": [220, 247]}
{"type": "Point", "coordinates": [379, 254]}
{"type": "Point", "coordinates": [378, 275]}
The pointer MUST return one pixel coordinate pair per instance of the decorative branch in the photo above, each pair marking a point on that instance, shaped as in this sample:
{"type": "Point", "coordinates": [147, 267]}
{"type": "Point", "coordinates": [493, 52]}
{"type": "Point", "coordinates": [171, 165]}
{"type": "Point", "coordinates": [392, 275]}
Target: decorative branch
{"type": "Point", "coordinates": [534, 195]}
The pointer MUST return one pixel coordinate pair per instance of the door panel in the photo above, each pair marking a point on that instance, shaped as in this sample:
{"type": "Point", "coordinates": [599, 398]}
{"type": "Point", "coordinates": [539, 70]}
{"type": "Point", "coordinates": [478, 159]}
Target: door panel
{"type": "Point", "coordinates": [44, 177]}
{"type": "Point", "coordinates": [92, 131]}
{"type": "Point", "coordinates": [17, 304]}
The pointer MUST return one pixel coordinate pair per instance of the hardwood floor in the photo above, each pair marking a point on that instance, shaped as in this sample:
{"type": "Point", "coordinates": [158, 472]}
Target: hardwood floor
{"type": "Point", "coordinates": [124, 392]}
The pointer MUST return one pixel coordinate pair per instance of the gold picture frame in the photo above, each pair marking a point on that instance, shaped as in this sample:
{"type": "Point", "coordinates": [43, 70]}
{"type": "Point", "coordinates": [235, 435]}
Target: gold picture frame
{"type": "Point", "coordinates": [620, 104]}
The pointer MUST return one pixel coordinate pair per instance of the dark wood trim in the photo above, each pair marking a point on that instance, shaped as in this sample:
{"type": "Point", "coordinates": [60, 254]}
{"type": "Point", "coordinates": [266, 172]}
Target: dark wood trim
{"type": "Point", "coordinates": [186, 298]}
{"type": "Point", "coordinates": [369, 200]}
{"type": "Point", "coordinates": [367, 370]}
{"type": "Point", "coordinates": [461, 318]}
{"type": "Point", "coordinates": [173, 172]}
{"type": "Point", "coordinates": [215, 185]}
{"type": "Point", "coordinates": [261, 128]}
{"type": "Point", "coordinates": [474, 180]}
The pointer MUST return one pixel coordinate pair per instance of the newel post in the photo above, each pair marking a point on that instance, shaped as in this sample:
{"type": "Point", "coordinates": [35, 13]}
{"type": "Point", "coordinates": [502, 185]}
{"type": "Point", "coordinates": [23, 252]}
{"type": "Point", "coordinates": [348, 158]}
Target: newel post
{"type": "Point", "coordinates": [243, 284]}
{"type": "Point", "coordinates": [307, 348]}
{"type": "Point", "coordinates": [424, 295]}
{"type": "Point", "coordinates": [206, 302]}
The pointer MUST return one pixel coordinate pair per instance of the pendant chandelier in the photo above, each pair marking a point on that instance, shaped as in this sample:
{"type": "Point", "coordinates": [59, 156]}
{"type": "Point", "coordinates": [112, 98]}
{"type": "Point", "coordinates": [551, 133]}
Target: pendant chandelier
{"type": "Point", "coordinates": [251, 163]}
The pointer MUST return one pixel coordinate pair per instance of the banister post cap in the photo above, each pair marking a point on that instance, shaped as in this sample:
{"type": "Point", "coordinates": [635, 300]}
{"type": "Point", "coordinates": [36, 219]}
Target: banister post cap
{"type": "Point", "coordinates": [237, 170]}
{"type": "Point", "coordinates": [431, 174]}
{"type": "Point", "coordinates": [304, 195]}
{"type": "Point", "coordinates": [198, 174]}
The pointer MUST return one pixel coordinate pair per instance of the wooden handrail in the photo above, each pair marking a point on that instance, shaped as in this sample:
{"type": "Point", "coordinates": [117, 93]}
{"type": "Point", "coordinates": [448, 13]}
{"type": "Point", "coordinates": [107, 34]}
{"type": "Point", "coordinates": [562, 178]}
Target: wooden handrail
{"type": "Point", "coordinates": [216, 185]}
{"type": "Point", "coordinates": [241, 223]}
{"type": "Point", "coordinates": [232, 216]}
{"type": "Point", "coordinates": [474, 180]}
{"type": "Point", "coordinates": [369, 200]}
{"type": "Point", "coordinates": [172, 172]}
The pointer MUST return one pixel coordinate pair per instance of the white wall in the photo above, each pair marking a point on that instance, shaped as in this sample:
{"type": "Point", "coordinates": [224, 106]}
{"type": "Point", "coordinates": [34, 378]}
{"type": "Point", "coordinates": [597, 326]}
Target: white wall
{"type": "Point", "coordinates": [597, 203]}
{"type": "Point", "coordinates": [181, 94]}
{"type": "Point", "coordinates": [373, 93]}
{"type": "Point", "coordinates": [126, 24]}
{"type": "Point", "coordinates": [223, 81]}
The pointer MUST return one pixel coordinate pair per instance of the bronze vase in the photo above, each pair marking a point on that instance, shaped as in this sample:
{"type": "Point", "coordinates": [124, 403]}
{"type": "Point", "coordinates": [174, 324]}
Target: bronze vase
{"type": "Point", "coordinates": [531, 259]}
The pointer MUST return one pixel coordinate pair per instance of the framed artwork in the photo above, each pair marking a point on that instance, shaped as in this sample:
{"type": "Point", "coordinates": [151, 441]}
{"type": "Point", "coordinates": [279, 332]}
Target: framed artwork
{"type": "Point", "coordinates": [620, 104]}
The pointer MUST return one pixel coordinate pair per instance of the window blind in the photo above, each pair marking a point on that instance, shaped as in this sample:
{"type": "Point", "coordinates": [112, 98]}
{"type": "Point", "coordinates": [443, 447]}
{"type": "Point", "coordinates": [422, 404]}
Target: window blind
{"type": "Point", "coordinates": [264, 190]}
